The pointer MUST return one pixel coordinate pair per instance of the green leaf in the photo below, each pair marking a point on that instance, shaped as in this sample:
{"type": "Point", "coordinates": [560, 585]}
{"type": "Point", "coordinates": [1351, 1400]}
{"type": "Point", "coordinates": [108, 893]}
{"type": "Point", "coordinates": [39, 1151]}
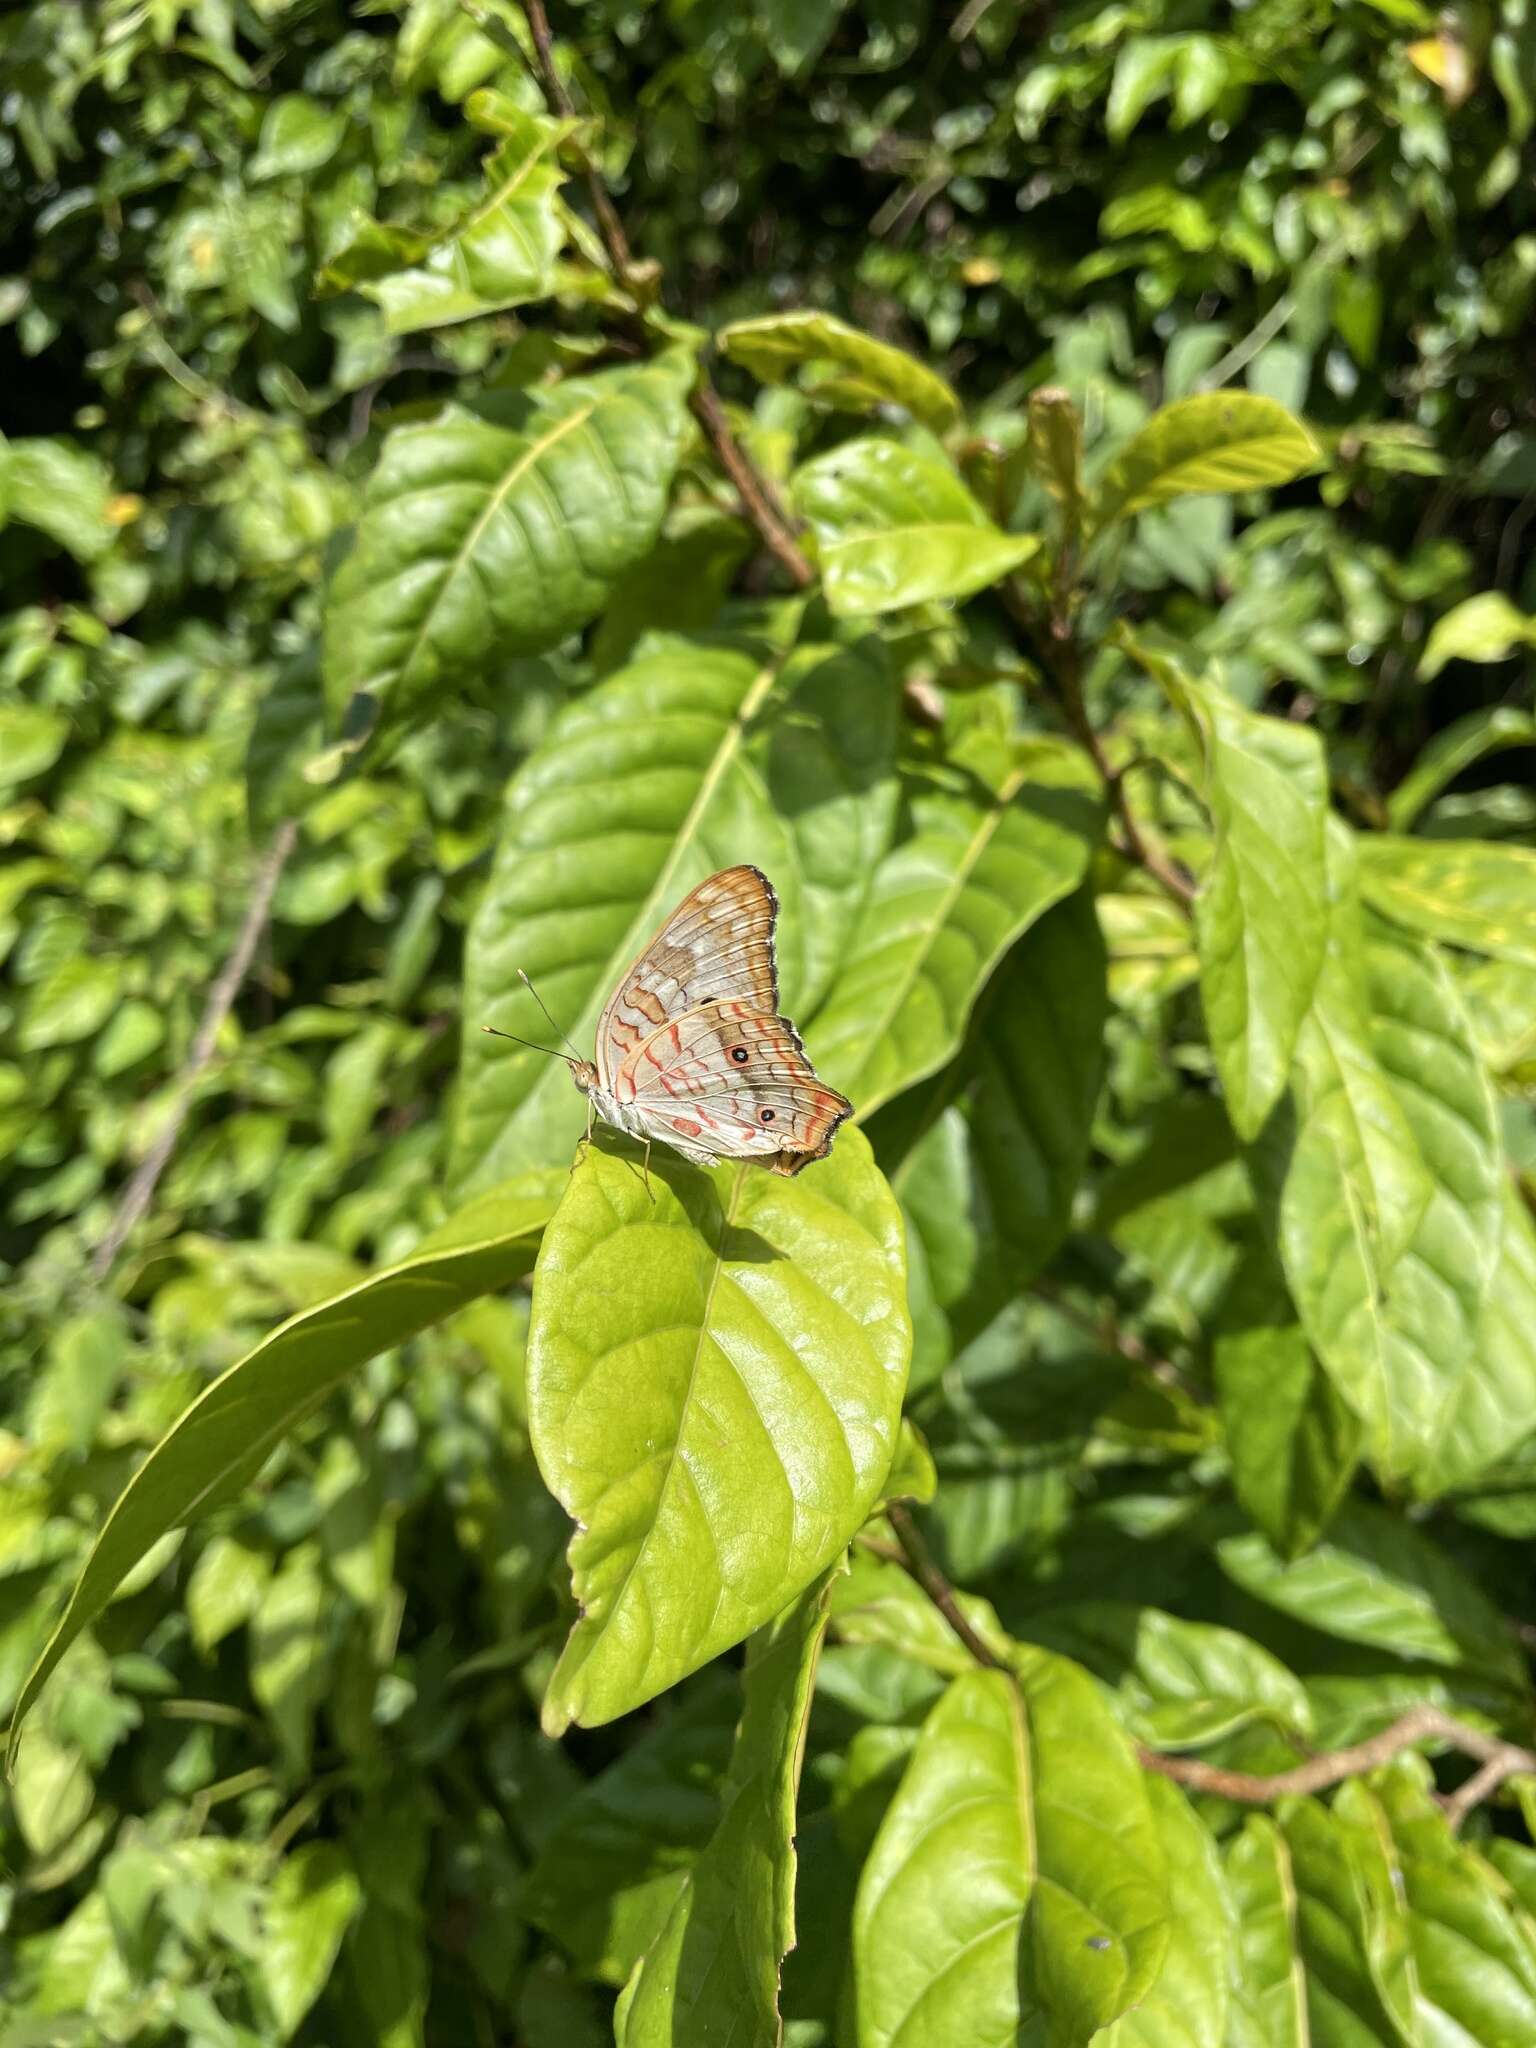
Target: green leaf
{"type": "Point", "coordinates": [939, 1917]}
{"type": "Point", "coordinates": [486, 537]}
{"type": "Point", "coordinates": [896, 527]}
{"type": "Point", "coordinates": [1351, 1932]}
{"type": "Point", "coordinates": [1383, 1175]}
{"type": "Point", "coordinates": [990, 1184]}
{"type": "Point", "coordinates": [1261, 919]}
{"type": "Point", "coordinates": [1055, 450]}
{"type": "Point", "coordinates": [618, 1855]}
{"type": "Point", "coordinates": [1001, 831]}
{"type": "Point", "coordinates": [1473, 1949]}
{"type": "Point", "coordinates": [713, 1972]}
{"type": "Point", "coordinates": [1269, 2005]}
{"type": "Point", "coordinates": [224, 1590]}
{"type": "Point", "coordinates": [1186, 2005]}
{"type": "Point", "coordinates": [501, 252]}
{"type": "Point", "coordinates": [1218, 441]}
{"type": "Point", "coordinates": [1182, 1683]}
{"type": "Point", "coordinates": [66, 492]}
{"type": "Point", "coordinates": [1377, 1580]}
{"type": "Point", "coordinates": [52, 1793]}
{"type": "Point", "coordinates": [31, 740]}
{"type": "Point", "coordinates": [693, 758]}
{"type": "Point", "coordinates": [308, 1910]}
{"type": "Point", "coordinates": [715, 1374]}
{"type": "Point", "coordinates": [1494, 1398]}
{"type": "Point", "coordinates": [298, 134]}
{"type": "Point", "coordinates": [1293, 1440]}
{"type": "Point", "coordinates": [1018, 1871]}
{"type": "Point", "coordinates": [1464, 892]}
{"type": "Point", "coordinates": [1483, 628]}
{"type": "Point", "coordinates": [71, 1003]}
{"type": "Point", "coordinates": [290, 1652]}
{"type": "Point", "coordinates": [1452, 750]}
{"type": "Point", "coordinates": [870, 373]}
{"type": "Point", "coordinates": [220, 1442]}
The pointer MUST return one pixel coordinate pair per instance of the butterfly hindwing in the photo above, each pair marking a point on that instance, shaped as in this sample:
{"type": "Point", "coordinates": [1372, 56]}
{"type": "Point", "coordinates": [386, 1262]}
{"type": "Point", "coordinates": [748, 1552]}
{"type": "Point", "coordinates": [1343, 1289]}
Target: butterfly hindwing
{"type": "Point", "coordinates": [717, 946]}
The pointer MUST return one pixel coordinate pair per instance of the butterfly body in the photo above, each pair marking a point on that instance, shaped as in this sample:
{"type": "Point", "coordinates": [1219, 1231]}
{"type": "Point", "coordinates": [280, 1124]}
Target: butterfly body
{"type": "Point", "coordinates": [691, 1049]}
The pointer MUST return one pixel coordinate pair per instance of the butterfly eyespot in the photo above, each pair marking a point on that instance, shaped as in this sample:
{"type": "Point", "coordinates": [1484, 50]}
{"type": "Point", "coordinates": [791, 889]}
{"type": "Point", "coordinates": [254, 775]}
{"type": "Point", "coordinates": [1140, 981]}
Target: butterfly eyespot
{"type": "Point", "coordinates": [739, 1055]}
{"type": "Point", "coordinates": [765, 1116]}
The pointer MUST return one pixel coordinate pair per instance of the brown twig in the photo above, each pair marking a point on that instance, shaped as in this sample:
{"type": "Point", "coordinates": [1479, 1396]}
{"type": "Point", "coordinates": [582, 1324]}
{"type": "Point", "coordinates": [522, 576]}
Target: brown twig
{"type": "Point", "coordinates": [757, 494]}
{"type": "Point", "coordinates": [1499, 1759]}
{"type": "Point", "coordinates": [918, 1562]}
{"type": "Point", "coordinates": [141, 1188]}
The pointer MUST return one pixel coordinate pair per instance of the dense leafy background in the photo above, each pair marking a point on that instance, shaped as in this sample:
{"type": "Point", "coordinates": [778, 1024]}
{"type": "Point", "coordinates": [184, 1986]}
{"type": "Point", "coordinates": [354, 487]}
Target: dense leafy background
{"type": "Point", "coordinates": [1154, 375]}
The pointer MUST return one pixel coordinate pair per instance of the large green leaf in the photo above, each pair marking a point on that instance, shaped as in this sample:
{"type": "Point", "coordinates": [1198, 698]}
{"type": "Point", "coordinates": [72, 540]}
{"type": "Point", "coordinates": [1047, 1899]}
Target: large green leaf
{"type": "Point", "coordinates": [712, 1974]}
{"type": "Point", "coordinates": [620, 1851]}
{"type": "Point", "coordinates": [1186, 2006]}
{"type": "Point", "coordinates": [715, 1375]}
{"type": "Point", "coordinates": [1382, 1174]}
{"type": "Point", "coordinates": [1261, 917]}
{"type": "Point", "coordinates": [224, 1438]}
{"type": "Point", "coordinates": [895, 526]}
{"type": "Point", "coordinates": [1218, 441]}
{"type": "Point", "coordinates": [485, 534]}
{"type": "Point", "coordinates": [1377, 1580]}
{"type": "Point", "coordinates": [1494, 1399]}
{"type": "Point", "coordinates": [1351, 1927]}
{"type": "Point", "coordinates": [1269, 1992]}
{"type": "Point", "coordinates": [1465, 892]}
{"type": "Point", "coordinates": [1001, 831]}
{"type": "Point", "coordinates": [1293, 1440]}
{"type": "Point", "coordinates": [1473, 1948]}
{"type": "Point", "coordinates": [500, 252]}
{"type": "Point", "coordinates": [696, 756]}
{"type": "Point", "coordinates": [989, 1184]}
{"type": "Point", "coordinates": [1017, 1880]}
{"type": "Point", "coordinates": [939, 1918]}
{"type": "Point", "coordinates": [868, 373]}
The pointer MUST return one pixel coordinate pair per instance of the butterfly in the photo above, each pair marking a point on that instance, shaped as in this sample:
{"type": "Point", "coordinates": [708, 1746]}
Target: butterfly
{"type": "Point", "coordinates": [691, 1049]}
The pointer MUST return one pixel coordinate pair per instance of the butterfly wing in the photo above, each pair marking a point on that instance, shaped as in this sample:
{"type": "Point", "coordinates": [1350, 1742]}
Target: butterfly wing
{"type": "Point", "coordinates": [726, 1081]}
{"type": "Point", "coordinates": [717, 946]}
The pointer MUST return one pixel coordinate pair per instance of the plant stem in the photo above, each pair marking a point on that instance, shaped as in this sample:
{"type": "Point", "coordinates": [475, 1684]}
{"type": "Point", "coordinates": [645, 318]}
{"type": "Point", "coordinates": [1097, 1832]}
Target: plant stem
{"type": "Point", "coordinates": [917, 1560]}
{"type": "Point", "coordinates": [758, 497]}
{"type": "Point", "coordinates": [141, 1188]}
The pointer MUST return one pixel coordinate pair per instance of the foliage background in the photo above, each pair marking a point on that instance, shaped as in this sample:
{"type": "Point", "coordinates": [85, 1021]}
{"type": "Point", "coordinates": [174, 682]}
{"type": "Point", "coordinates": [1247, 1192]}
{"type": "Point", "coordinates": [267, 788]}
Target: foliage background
{"type": "Point", "coordinates": [293, 1783]}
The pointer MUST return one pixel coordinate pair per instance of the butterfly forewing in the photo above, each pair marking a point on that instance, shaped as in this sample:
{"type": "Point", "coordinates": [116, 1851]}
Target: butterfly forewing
{"type": "Point", "coordinates": [717, 946]}
{"type": "Point", "coordinates": [692, 1047]}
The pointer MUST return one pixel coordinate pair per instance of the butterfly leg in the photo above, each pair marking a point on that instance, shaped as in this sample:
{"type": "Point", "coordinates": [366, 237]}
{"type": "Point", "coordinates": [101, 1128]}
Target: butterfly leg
{"type": "Point", "coordinates": [645, 1169]}
{"type": "Point", "coordinates": [583, 1144]}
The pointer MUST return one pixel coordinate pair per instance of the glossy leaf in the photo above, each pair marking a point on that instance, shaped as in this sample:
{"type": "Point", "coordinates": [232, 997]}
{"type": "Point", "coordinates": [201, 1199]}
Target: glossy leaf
{"type": "Point", "coordinates": [1483, 628]}
{"type": "Point", "coordinates": [1261, 914]}
{"type": "Point", "coordinates": [999, 835]}
{"type": "Point", "coordinates": [1377, 1580]}
{"type": "Point", "coordinates": [1351, 1932]}
{"type": "Point", "coordinates": [485, 536]}
{"type": "Point", "coordinates": [1269, 2008]}
{"type": "Point", "coordinates": [1218, 441]}
{"type": "Point", "coordinates": [713, 1971]}
{"type": "Point", "coordinates": [868, 373]}
{"type": "Point", "coordinates": [1492, 1403]}
{"type": "Point", "coordinates": [1186, 2005]}
{"type": "Point", "coordinates": [696, 756]}
{"type": "Point", "coordinates": [715, 1374]}
{"type": "Point", "coordinates": [224, 1438]}
{"type": "Point", "coordinates": [1464, 892]}
{"type": "Point", "coordinates": [896, 527]}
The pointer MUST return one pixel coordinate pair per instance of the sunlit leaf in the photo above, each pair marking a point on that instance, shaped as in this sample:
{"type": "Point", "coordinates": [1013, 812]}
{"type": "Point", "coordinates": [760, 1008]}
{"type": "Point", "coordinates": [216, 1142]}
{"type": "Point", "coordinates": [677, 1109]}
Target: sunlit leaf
{"type": "Point", "coordinates": [869, 373]}
{"type": "Point", "coordinates": [1217, 441]}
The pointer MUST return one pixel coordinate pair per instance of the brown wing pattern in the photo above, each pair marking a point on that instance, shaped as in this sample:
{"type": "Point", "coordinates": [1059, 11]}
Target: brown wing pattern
{"type": "Point", "coordinates": [717, 946]}
{"type": "Point", "coordinates": [728, 1082]}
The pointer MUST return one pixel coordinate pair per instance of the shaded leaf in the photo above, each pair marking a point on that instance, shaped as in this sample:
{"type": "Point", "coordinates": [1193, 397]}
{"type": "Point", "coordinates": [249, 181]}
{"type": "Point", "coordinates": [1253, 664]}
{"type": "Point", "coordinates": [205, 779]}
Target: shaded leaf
{"type": "Point", "coordinates": [1452, 750]}
{"type": "Point", "coordinates": [715, 1374]}
{"type": "Point", "coordinates": [308, 1910]}
{"type": "Point", "coordinates": [1269, 1990]}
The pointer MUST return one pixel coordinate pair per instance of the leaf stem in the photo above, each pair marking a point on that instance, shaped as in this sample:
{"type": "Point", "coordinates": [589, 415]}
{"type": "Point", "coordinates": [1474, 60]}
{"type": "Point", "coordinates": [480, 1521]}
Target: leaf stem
{"type": "Point", "coordinates": [758, 497]}
{"type": "Point", "coordinates": [917, 1561]}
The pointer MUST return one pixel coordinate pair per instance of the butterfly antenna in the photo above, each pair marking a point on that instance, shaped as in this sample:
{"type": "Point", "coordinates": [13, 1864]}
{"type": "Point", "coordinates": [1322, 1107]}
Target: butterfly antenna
{"type": "Point", "coordinates": [494, 1033]}
{"type": "Point", "coordinates": [527, 984]}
